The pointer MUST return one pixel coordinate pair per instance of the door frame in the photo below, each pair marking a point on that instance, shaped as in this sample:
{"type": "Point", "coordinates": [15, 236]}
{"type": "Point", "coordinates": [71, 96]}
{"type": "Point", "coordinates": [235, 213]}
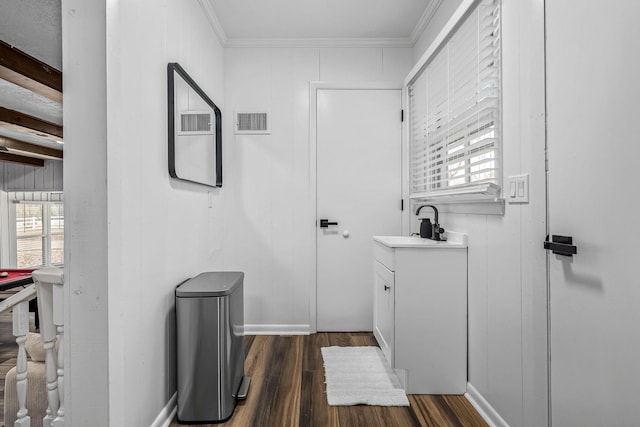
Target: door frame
{"type": "Point", "coordinates": [314, 86]}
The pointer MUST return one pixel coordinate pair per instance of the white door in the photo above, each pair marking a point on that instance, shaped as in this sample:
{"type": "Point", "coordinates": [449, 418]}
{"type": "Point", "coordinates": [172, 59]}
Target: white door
{"type": "Point", "coordinates": [358, 187]}
{"type": "Point", "coordinates": [593, 105]}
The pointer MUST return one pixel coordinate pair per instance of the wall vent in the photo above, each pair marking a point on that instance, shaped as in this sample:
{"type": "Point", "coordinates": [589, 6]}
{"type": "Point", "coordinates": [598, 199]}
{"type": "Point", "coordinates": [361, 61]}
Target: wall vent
{"type": "Point", "coordinates": [253, 123]}
{"type": "Point", "coordinates": [195, 123]}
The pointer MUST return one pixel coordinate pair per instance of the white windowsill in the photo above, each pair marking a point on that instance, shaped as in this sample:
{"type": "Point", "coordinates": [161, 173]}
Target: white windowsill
{"type": "Point", "coordinates": [478, 199]}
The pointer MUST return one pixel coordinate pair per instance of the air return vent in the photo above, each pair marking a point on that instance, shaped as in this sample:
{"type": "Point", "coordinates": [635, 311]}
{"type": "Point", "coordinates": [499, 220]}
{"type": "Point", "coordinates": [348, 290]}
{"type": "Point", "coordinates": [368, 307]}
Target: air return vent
{"type": "Point", "coordinates": [253, 123]}
{"type": "Point", "coordinates": [195, 123]}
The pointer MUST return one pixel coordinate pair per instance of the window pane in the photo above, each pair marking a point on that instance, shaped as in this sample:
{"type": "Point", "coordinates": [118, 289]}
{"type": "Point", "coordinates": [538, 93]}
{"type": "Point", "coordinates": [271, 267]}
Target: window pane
{"type": "Point", "coordinates": [29, 252]}
{"type": "Point", "coordinates": [56, 216]}
{"type": "Point", "coordinates": [57, 249]}
{"type": "Point", "coordinates": [28, 219]}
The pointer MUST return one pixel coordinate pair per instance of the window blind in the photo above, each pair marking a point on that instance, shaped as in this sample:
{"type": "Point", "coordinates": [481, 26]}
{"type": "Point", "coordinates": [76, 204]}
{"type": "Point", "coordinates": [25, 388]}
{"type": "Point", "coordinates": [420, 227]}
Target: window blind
{"type": "Point", "coordinates": [454, 108]}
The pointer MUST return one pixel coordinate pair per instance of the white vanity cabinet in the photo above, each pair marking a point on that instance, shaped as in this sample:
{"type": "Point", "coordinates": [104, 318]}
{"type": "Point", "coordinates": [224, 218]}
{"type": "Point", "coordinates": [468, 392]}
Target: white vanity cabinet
{"type": "Point", "coordinates": [383, 311]}
{"type": "Point", "coordinates": [420, 311]}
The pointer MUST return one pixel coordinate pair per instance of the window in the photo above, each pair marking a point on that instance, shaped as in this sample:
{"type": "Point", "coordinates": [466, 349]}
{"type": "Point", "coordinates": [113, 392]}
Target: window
{"type": "Point", "coordinates": [39, 234]}
{"type": "Point", "coordinates": [454, 108]}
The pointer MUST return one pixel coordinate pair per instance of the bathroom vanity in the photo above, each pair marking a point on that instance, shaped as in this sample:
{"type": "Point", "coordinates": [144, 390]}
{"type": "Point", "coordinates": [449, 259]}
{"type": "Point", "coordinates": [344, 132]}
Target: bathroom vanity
{"type": "Point", "coordinates": [420, 310]}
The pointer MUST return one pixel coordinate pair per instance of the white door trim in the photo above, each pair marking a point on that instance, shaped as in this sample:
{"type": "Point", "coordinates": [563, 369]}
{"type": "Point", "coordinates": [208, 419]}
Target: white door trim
{"type": "Point", "coordinates": [314, 86]}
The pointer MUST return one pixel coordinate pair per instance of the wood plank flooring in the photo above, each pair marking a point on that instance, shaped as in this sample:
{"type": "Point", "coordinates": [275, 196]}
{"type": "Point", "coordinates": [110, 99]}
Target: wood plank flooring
{"type": "Point", "coordinates": [287, 390]}
{"type": "Point", "coordinates": [287, 387]}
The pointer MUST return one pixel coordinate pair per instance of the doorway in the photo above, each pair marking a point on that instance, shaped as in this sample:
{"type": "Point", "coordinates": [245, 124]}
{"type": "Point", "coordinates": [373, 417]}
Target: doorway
{"type": "Point", "coordinates": [358, 141]}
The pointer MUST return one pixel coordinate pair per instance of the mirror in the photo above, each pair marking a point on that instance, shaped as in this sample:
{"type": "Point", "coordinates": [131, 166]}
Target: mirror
{"type": "Point", "coordinates": [195, 131]}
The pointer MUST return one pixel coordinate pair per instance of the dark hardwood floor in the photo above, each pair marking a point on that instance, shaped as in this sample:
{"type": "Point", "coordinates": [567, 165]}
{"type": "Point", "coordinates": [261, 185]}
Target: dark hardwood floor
{"type": "Point", "coordinates": [287, 389]}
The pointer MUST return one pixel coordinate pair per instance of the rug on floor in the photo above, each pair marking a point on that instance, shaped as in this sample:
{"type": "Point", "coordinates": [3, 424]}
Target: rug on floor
{"type": "Point", "coordinates": [360, 376]}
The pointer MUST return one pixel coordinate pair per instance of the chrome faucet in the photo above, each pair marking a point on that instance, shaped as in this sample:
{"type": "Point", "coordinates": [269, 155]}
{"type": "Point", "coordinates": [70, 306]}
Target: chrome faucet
{"type": "Point", "coordinates": [436, 229]}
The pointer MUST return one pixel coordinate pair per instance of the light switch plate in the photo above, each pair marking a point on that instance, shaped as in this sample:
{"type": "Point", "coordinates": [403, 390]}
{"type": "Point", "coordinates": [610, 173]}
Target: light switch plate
{"type": "Point", "coordinates": [518, 189]}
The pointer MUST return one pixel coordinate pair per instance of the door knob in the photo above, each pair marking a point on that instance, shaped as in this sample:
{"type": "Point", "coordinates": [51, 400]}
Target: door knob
{"type": "Point", "coordinates": [386, 288]}
{"type": "Point", "coordinates": [324, 223]}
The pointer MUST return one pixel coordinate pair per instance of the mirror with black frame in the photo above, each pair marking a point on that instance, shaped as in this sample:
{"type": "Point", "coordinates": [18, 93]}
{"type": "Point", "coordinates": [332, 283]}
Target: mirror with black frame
{"type": "Point", "coordinates": [195, 131]}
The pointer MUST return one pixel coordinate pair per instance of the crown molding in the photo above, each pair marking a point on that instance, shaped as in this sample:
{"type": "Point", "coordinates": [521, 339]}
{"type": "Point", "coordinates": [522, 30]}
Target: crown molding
{"type": "Point", "coordinates": [409, 42]}
{"type": "Point", "coordinates": [321, 42]}
{"type": "Point", "coordinates": [424, 20]}
{"type": "Point", "coordinates": [465, 5]}
{"type": "Point", "coordinates": [210, 13]}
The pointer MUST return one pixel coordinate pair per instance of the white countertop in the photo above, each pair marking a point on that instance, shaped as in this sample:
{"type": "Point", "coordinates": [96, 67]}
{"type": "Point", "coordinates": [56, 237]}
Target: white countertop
{"type": "Point", "coordinates": [454, 240]}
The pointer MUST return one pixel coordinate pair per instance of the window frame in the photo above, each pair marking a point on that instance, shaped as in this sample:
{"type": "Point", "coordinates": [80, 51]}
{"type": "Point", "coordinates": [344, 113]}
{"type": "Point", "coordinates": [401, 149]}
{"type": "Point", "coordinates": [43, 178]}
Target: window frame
{"type": "Point", "coordinates": [45, 236]}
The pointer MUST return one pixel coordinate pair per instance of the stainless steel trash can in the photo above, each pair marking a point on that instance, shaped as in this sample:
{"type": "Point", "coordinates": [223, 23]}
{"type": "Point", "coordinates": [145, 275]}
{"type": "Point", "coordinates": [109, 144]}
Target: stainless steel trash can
{"type": "Point", "coordinates": [210, 346]}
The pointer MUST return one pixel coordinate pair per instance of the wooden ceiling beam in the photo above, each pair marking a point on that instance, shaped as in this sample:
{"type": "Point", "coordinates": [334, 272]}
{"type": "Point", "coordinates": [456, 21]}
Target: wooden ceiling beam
{"type": "Point", "coordinates": [28, 149]}
{"type": "Point", "coordinates": [16, 158]}
{"type": "Point", "coordinates": [20, 122]}
{"type": "Point", "coordinates": [30, 73]}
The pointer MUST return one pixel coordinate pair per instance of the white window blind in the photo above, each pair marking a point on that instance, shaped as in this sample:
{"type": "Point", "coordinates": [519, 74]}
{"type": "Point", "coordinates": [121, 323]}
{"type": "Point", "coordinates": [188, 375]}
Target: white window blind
{"type": "Point", "coordinates": [454, 107]}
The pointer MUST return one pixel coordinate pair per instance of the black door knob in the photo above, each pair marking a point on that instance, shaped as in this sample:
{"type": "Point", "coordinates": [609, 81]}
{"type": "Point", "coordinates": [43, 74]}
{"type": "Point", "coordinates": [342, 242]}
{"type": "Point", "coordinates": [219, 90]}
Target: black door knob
{"type": "Point", "coordinates": [324, 223]}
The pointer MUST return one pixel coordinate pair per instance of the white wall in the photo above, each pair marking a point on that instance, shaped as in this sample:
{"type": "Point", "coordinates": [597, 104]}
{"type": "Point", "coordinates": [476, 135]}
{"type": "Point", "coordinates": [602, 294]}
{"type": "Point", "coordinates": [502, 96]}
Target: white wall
{"type": "Point", "coordinates": [86, 281]}
{"type": "Point", "coordinates": [133, 233]}
{"type": "Point", "coordinates": [17, 177]}
{"type": "Point", "coordinates": [269, 207]}
{"type": "Point", "coordinates": [507, 284]}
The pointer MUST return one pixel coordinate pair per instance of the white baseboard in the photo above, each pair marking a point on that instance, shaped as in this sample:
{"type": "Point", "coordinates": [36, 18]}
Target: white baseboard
{"type": "Point", "coordinates": [276, 329]}
{"type": "Point", "coordinates": [167, 413]}
{"type": "Point", "coordinates": [483, 407]}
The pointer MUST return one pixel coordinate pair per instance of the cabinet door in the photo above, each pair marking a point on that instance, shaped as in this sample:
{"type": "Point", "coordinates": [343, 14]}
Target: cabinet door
{"type": "Point", "coordinates": [383, 309]}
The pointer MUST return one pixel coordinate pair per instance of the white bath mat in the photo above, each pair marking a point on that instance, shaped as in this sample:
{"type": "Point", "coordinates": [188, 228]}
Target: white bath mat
{"type": "Point", "coordinates": [360, 376]}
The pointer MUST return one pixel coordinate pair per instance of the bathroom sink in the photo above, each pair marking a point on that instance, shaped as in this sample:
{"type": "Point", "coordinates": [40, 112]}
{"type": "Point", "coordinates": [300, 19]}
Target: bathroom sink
{"type": "Point", "coordinates": [454, 240]}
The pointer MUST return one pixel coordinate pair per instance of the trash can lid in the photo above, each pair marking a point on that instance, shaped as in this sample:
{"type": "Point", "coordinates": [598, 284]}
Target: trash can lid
{"type": "Point", "coordinates": [210, 284]}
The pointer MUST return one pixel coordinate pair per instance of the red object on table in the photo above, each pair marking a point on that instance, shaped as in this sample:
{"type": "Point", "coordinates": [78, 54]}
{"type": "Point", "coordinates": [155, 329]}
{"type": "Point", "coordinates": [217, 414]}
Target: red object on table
{"type": "Point", "coordinates": [16, 277]}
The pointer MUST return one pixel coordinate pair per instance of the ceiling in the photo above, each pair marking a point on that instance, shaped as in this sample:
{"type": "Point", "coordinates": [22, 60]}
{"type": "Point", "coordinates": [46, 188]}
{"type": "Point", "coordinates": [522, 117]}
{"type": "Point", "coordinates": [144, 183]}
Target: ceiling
{"type": "Point", "coordinates": [319, 19]}
{"type": "Point", "coordinates": [34, 28]}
